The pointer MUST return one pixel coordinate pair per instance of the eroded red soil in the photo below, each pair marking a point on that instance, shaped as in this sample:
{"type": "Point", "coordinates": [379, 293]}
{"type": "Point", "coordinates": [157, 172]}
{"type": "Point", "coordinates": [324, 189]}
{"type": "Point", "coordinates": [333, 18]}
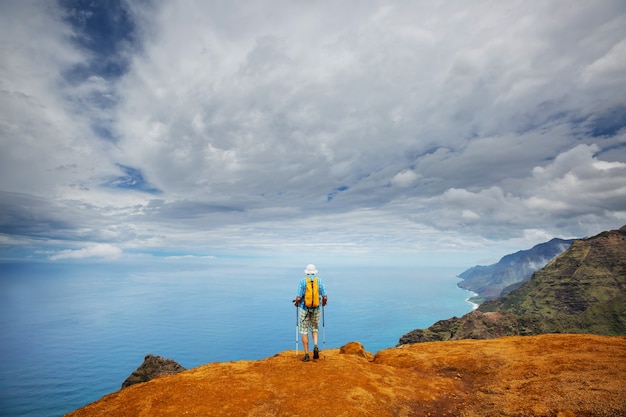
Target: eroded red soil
{"type": "Point", "coordinates": [548, 375]}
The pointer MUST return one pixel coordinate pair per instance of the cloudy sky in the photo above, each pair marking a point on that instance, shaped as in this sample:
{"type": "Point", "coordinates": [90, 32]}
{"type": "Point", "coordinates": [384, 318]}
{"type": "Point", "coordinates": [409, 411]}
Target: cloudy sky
{"type": "Point", "coordinates": [357, 128]}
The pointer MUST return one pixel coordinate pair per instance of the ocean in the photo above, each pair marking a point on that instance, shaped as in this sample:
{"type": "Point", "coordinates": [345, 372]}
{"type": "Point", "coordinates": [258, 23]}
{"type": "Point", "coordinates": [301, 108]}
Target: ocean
{"type": "Point", "coordinates": [73, 332]}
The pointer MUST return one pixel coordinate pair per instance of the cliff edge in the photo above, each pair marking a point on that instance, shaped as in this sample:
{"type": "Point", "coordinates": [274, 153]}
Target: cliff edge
{"type": "Point", "coordinates": [546, 375]}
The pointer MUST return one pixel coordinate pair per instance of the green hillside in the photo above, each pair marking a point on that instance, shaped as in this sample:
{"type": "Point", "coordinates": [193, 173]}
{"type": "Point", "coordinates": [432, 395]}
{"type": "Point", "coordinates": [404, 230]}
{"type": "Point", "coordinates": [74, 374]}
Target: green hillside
{"type": "Point", "coordinates": [583, 290]}
{"type": "Point", "coordinates": [496, 280]}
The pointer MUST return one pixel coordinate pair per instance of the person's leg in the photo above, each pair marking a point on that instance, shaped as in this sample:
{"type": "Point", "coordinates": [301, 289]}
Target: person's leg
{"type": "Point", "coordinates": [316, 351]}
{"type": "Point", "coordinates": [315, 332]}
{"type": "Point", "coordinates": [305, 324]}
{"type": "Point", "coordinates": [305, 342]}
{"type": "Point", "coordinates": [315, 324]}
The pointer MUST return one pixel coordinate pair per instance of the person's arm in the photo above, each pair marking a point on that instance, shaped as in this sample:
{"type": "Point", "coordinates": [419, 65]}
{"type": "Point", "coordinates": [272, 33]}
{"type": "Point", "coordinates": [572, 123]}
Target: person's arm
{"type": "Point", "coordinates": [300, 295]}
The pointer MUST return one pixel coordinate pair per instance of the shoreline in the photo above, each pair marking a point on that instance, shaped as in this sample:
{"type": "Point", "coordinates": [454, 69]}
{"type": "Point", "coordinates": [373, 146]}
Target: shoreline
{"type": "Point", "coordinates": [468, 300]}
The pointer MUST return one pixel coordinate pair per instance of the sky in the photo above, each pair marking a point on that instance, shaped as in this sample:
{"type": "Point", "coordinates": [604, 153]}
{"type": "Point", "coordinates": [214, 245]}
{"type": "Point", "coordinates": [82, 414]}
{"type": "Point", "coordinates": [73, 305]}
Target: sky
{"type": "Point", "coordinates": [433, 130]}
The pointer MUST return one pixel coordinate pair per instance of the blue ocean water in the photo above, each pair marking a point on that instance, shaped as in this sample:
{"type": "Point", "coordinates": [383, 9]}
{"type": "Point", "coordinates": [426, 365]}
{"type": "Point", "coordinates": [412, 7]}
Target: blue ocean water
{"type": "Point", "coordinates": [72, 333]}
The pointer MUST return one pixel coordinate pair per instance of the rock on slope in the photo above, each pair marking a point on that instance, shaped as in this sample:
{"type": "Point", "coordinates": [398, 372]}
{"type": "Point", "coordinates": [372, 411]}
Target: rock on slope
{"type": "Point", "coordinates": [152, 367]}
{"type": "Point", "coordinates": [548, 375]}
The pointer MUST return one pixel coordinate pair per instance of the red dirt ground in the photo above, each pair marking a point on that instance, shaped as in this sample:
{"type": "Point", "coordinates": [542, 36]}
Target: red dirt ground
{"type": "Point", "coordinates": [548, 375]}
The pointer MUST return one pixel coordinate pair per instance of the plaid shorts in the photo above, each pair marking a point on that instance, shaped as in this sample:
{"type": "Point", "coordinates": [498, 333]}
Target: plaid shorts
{"type": "Point", "coordinates": [309, 320]}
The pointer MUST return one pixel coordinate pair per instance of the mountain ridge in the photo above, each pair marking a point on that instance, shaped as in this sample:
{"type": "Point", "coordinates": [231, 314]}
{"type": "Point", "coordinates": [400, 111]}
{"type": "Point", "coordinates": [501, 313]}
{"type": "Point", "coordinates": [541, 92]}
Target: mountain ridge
{"type": "Point", "coordinates": [498, 279]}
{"type": "Point", "coordinates": [582, 290]}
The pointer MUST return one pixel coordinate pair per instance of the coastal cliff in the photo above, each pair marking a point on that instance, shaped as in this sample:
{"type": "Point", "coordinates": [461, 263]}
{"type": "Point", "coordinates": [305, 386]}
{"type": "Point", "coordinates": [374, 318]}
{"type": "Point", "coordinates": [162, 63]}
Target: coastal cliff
{"type": "Point", "coordinates": [548, 375]}
{"type": "Point", "coordinates": [583, 290]}
{"type": "Point", "coordinates": [499, 279]}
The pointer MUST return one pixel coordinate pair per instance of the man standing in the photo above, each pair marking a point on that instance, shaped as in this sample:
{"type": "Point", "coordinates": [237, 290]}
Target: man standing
{"type": "Point", "coordinates": [310, 290]}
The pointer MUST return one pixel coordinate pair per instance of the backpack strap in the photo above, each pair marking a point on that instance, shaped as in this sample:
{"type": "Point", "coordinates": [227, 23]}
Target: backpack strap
{"type": "Point", "coordinates": [303, 303]}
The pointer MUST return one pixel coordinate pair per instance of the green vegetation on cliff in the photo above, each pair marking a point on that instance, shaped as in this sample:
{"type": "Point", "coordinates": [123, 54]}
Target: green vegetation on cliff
{"type": "Point", "coordinates": [511, 271]}
{"type": "Point", "coordinates": [583, 290]}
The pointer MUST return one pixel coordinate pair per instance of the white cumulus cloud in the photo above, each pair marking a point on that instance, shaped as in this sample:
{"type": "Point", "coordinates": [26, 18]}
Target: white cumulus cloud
{"type": "Point", "coordinates": [102, 250]}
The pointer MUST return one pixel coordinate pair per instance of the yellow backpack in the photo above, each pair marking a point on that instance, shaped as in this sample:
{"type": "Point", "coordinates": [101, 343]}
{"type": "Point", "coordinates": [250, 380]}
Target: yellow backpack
{"type": "Point", "coordinates": [312, 293]}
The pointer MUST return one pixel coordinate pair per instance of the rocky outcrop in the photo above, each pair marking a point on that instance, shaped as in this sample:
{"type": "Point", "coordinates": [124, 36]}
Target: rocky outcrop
{"type": "Point", "coordinates": [152, 367]}
{"type": "Point", "coordinates": [356, 348]}
{"type": "Point", "coordinates": [548, 375]}
{"type": "Point", "coordinates": [474, 325]}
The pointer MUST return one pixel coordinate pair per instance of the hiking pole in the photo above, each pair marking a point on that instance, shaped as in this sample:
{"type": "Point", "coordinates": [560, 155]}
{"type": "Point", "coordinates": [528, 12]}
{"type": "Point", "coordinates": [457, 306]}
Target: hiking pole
{"type": "Point", "coordinates": [297, 319]}
{"type": "Point", "coordinates": [324, 331]}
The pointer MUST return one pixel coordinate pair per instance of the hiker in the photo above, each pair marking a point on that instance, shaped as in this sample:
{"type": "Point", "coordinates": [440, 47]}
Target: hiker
{"type": "Point", "coordinates": [310, 290]}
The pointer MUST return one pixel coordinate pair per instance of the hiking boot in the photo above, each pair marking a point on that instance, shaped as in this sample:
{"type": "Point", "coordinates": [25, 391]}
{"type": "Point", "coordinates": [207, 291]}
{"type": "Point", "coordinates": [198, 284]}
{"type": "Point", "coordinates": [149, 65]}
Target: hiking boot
{"type": "Point", "coordinates": [305, 358]}
{"type": "Point", "coordinates": [316, 353]}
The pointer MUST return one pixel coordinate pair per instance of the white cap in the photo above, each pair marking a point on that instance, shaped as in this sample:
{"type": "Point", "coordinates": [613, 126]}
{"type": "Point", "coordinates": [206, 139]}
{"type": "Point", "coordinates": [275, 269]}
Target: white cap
{"type": "Point", "coordinates": [310, 269]}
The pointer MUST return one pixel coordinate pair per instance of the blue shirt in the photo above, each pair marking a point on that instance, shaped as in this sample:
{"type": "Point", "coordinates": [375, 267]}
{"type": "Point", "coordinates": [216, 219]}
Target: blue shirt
{"type": "Point", "coordinates": [302, 289]}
